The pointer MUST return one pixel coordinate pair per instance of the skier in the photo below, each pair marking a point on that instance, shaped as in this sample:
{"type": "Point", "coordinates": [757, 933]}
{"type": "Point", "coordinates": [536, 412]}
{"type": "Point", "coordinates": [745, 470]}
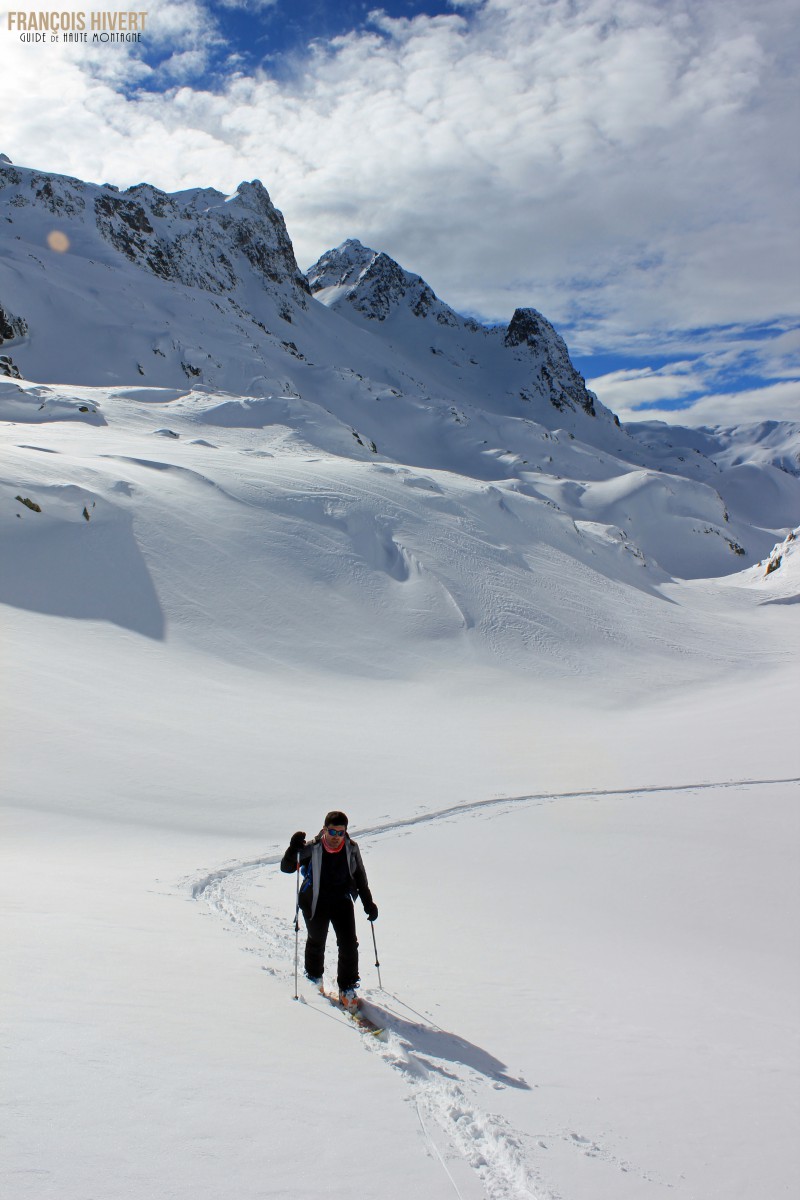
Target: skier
{"type": "Point", "coordinates": [333, 875]}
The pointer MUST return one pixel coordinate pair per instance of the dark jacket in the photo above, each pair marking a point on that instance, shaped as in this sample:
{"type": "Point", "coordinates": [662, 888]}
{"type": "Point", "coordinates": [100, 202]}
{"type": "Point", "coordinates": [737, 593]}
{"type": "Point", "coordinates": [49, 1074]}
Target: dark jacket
{"type": "Point", "coordinates": [310, 857]}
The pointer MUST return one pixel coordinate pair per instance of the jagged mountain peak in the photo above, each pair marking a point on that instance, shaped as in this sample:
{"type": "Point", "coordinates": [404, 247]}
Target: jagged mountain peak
{"type": "Point", "coordinates": [373, 284]}
{"type": "Point", "coordinates": [255, 197]}
{"type": "Point", "coordinates": [530, 330]}
{"type": "Point", "coordinates": [341, 266]}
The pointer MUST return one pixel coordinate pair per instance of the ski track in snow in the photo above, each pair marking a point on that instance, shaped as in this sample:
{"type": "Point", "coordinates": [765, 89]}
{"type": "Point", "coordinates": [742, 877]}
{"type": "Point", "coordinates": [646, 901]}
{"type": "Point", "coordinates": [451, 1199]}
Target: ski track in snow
{"type": "Point", "coordinates": [445, 1101]}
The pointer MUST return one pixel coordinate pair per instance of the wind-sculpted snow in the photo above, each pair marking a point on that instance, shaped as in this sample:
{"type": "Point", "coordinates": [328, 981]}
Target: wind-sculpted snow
{"type": "Point", "coordinates": [39, 406]}
{"type": "Point", "coordinates": [228, 612]}
{"type": "Point", "coordinates": [76, 555]}
{"type": "Point", "coordinates": [265, 511]}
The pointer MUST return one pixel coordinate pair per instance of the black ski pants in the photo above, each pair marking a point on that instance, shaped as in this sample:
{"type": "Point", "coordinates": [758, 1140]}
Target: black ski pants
{"type": "Point", "coordinates": [339, 913]}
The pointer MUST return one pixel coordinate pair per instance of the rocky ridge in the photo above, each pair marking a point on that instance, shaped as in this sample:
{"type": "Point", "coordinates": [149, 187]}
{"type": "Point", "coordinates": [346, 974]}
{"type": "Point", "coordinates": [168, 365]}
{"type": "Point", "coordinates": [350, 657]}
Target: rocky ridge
{"type": "Point", "coordinates": [369, 285]}
{"type": "Point", "coordinates": [200, 286]}
{"type": "Point", "coordinates": [189, 238]}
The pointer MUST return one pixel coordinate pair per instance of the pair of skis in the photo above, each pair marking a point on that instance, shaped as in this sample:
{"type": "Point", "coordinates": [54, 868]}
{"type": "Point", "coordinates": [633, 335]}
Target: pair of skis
{"type": "Point", "coordinates": [355, 1013]}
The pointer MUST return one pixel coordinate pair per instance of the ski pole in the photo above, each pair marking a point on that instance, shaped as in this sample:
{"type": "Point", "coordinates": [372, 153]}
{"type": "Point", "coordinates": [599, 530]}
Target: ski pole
{"type": "Point", "coordinates": [377, 964]}
{"type": "Point", "coordinates": [297, 925]}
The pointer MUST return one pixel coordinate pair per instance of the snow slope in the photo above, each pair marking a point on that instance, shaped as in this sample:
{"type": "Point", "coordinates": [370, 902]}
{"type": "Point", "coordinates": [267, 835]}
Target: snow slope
{"type": "Point", "coordinates": [547, 665]}
{"type": "Point", "coordinates": [250, 628]}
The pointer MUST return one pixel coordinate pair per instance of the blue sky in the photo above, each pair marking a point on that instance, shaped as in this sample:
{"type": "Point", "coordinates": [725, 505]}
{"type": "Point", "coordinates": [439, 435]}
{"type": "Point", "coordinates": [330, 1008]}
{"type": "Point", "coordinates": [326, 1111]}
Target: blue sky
{"type": "Point", "coordinates": [628, 167]}
{"type": "Point", "coordinates": [267, 34]}
{"type": "Point", "coordinates": [275, 35]}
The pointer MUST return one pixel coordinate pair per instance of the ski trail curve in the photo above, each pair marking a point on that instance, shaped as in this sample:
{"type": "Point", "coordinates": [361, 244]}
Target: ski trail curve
{"type": "Point", "coordinates": [206, 882]}
{"type": "Point", "coordinates": [413, 1045]}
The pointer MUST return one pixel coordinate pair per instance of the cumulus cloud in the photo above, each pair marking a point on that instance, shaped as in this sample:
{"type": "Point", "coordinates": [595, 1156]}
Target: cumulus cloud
{"type": "Point", "coordinates": [620, 164]}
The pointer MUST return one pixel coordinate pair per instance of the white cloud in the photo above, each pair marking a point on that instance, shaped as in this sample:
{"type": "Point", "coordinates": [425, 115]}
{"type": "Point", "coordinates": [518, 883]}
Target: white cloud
{"type": "Point", "coordinates": [778, 402]}
{"type": "Point", "coordinates": [621, 164]}
{"type": "Point", "coordinates": [628, 388]}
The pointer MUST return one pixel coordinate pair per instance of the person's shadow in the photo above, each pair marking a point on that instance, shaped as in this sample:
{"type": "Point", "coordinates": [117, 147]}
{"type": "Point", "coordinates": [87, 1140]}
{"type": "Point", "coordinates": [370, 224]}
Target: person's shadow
{"type": "Point", "coordinates": [425, 1041]}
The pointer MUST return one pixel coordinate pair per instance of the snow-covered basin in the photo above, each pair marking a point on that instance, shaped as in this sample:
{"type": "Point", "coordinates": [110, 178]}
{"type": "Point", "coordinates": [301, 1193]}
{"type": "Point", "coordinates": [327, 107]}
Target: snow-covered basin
{"type": "Point", "coordinates": [588, 996]}
{"type": "Point", "coordinates": [207, 641]}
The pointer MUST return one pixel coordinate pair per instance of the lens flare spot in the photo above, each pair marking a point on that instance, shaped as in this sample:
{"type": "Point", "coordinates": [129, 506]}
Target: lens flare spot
{"type": "Point", "coordinates": [58, 241]}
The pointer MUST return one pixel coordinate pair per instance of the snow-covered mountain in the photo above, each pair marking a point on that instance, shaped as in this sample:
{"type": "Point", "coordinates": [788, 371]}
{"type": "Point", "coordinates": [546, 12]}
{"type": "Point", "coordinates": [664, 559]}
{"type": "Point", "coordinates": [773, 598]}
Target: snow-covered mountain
{"type": "Point", "coordinates": [205, 287]}
{"type": "Point", "coordinates": [104, 287]}
{"type": "Point", "coordinates": [362, 360]}
{"type": "Point", "coordinates": [369, 286]}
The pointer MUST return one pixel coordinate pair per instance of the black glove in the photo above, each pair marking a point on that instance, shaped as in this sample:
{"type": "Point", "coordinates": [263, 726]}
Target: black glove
{"type": "Point", "coordinates": [297, 842]}
{"type": "Point", "coordinates": [371, 910]}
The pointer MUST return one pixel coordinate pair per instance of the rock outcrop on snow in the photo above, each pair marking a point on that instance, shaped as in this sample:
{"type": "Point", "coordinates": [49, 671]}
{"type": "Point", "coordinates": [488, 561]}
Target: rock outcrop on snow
{"type": "Point", "coordinates": [11, 327]}
{"type": "Point", "coordinates": [142, 283]}
{"type": "Point", "coordinates": [199, 246]}
{"type": "Point", "coordinates": [783, 551]}
{"type": "Point", "coordinates": [8, 368]}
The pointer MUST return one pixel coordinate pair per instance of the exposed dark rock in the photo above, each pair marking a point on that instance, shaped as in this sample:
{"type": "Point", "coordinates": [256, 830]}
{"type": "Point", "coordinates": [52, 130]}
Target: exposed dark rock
{"type": "Point", "coordinates": [201, 251]}
{"type": "Point", "coordinates": [11, 327]}
{"type": "Point", "coordinates": [31, 504]}
{"type": "Point", "coordinates": [8, 176]}
{"type": "Point", "coordinates": [125, 224]}
{"type": "Point", "coordinates": [160, 203]}
{"type": "Point", "coordinates": [8, 368]}
{"type": "Point", "coordinates": [128, 211]}
{"type": "Point", "coordinates": [62, 196]}
{"type": "Point", "coordinates": [6, 328]}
